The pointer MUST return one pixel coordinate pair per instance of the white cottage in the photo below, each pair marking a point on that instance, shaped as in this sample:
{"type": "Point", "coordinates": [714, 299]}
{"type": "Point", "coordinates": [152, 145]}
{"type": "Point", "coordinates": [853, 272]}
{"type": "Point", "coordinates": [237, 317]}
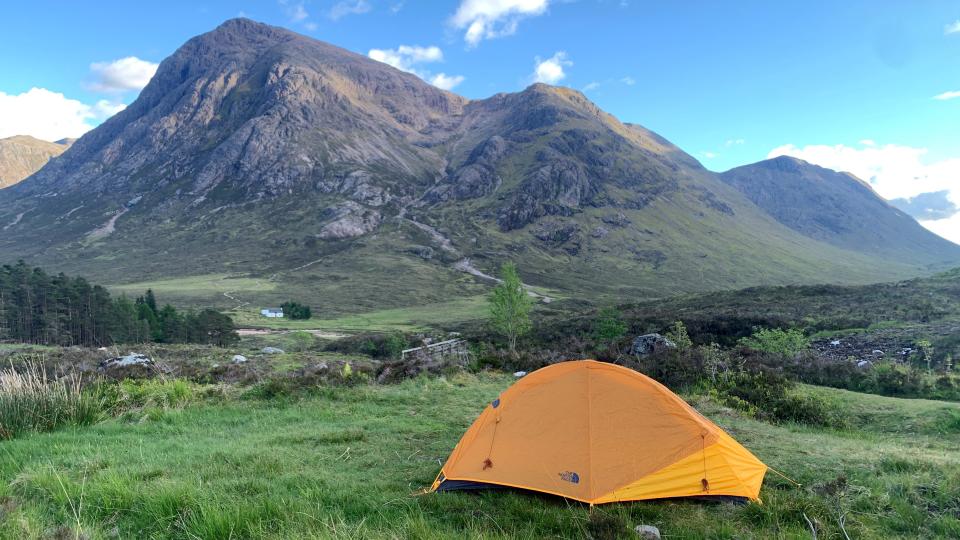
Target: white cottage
{"type": "Point", "coordinates": [272, 313]}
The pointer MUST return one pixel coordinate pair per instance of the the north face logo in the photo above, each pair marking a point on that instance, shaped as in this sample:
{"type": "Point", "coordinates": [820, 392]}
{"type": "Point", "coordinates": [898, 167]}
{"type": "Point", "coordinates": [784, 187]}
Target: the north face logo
{"type": "Point", "coordinates": [572, 477]}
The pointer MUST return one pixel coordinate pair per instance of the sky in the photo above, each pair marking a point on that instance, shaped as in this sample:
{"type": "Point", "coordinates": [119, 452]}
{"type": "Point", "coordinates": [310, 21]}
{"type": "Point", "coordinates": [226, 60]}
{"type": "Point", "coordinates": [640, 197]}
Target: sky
{"type": "Point", "coordinates": [867, 86]}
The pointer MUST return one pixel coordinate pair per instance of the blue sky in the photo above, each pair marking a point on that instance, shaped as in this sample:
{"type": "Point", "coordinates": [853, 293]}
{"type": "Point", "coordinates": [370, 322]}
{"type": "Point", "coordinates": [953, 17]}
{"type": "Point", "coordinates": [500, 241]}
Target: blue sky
{"type": "Point", "coordinates": [847, 84]}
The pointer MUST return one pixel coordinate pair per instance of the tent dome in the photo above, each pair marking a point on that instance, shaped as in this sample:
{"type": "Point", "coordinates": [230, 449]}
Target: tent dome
{"type": "Point", "coordinates": [599, 433]}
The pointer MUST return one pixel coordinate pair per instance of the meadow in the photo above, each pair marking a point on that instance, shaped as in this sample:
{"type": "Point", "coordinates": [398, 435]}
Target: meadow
{"type": "Point", "coordinates": [182, 460]}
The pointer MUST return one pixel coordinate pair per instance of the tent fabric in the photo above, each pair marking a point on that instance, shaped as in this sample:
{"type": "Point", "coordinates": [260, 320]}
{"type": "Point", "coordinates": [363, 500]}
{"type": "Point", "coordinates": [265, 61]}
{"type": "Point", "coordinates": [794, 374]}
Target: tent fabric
{"type": "Point", "coordinates": [599, 433]}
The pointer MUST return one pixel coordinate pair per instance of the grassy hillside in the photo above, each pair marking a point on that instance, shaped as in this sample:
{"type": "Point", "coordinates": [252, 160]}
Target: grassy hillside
{"type": "Point", "coordinates": [920, 306]}
{"type": "Point", "coordinates": [345, 462]}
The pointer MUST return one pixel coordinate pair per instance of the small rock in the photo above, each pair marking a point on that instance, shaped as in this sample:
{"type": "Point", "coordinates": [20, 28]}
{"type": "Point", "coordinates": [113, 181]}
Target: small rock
{"type": "Point", "coordinates": [877, 352]}
{"type": "Point", "coordinates": [835, 343]}
{"type": "Point", "coordinates": [239, 359]}
{"type": "Point", "coordinates": [271, 350]}
{"type": "Point", "coordinates": [864, 364]}
{"type": "Point", "coordinates": [648, 344]}
{"type": "Point", "coordinates": [648, 532]}
{"type": "Point", "coordinates": [519, 374]}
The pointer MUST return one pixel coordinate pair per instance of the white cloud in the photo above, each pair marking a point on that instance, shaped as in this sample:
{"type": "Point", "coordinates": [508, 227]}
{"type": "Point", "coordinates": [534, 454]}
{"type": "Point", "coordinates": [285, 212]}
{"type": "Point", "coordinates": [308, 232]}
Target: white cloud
{"type": "Point", "coordinates": [947, 228]}
{"type": "Point", "coordinates": [948, 95]}
{"type": "Point", "coordinates": [409, 57]}
{"type": "Point", "coordinates": [734, 142]}
{"type": "Point", "coordinates": [551, 71]}
{"type": "Point", "coordinates": [104, 109]}
{"type": "Point", "coordinates": [709, 155]}
{"type": "Point", "coordinates": [591, 86]}
{"type": "Point", "coordinates": [868, 142]}
{"type": "Point", "coordinates": [446, 82]}
{"type": "Point", "coordinates": [894, 171]}
{"type": "Point", "coordinates": [349, 7]}
{"type": "Point", "coordinates": [50, 115]}
{"type": "Point", "coordinates": [952, 28]}
{"type": "Point", "coordinates": [488, 19]}
{"type": "Point", "coordinates": [405, 57]}
{"type": "Point", "coordinates": [298, 13]}
{"type": "Point", "coordinates": [130, 73]}
{"type": "Point", "coordinates": [629, 81]}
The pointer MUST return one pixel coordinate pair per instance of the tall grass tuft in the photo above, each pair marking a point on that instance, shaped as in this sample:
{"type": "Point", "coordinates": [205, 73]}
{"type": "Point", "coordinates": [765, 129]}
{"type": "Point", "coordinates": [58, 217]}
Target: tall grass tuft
{"type": "Point", "coordinates": [32, 402]}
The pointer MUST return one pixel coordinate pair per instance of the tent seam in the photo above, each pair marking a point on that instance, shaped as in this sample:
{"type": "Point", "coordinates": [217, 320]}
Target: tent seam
{"type": "Point", "coordinates": [590, 433]}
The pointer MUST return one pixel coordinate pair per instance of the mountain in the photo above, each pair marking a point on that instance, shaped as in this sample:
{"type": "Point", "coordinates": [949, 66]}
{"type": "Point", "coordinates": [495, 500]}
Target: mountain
{"type": "Point", "coordinates": [261, 161]}
{"type": "Point", "coordinates": [837, 208]}
{"type": "Point", "coordinates": [22, 155]}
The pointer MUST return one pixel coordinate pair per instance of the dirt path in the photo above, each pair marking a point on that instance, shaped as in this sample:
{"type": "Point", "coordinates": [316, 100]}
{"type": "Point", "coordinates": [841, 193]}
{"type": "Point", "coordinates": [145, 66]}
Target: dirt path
{"type": "Point", "coordinates": [230, 294]}
{"type": "Point", "coordinates": [464, 265]}
{"type": "Point", "coordinates": [442, 241]}
{"type": "Point", "coordinates": [323, 334]}
{"type": "Point", "coordinates": [107, 228]}
{"type": "Point", "coordinates": [16, 220]}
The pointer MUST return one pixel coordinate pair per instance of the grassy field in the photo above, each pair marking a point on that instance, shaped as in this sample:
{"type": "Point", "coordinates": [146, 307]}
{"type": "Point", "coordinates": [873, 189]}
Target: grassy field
{"type": "Point", "coordinates": [407, 319]}
{"type": "Point", "coordinates": [345, 462]}
{"type": "Point", "coordinates": [204, 290]}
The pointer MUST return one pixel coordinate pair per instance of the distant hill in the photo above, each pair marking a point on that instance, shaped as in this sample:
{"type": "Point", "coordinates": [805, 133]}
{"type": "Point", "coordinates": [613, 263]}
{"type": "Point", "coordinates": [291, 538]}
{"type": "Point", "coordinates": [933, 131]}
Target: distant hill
{"type": "Point", "coordinates": [837, 208]}
{"type": "Point", "coordinates": [257, 152]}
{"type": "Point", "coordinates": [22, 155]}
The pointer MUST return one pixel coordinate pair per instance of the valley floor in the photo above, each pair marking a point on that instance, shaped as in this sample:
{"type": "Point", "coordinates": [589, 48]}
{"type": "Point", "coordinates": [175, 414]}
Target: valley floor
{"type": "Point", "coordinates": [345, 462]}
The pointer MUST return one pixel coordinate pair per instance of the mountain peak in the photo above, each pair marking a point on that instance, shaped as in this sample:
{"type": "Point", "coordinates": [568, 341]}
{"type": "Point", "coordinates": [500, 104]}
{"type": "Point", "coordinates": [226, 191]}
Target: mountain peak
{"type": "Point", "coordinates": [835, 207]}
{"type": "Point", "coordinates": [247, 28]}
{"type": "Point", "coordinates": [785, 164]}
{"type": "Point", "coordinates": [23, 155]}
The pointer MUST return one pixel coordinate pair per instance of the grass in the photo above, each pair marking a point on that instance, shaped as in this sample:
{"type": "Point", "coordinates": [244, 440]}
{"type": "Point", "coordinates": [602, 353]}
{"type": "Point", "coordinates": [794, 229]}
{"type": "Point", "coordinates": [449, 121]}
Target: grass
{"type": "Point", "coordinates": [205, 289]}
{"type": "Point", "coordinates": [30, 401]}
{"type": "Point", "coordinates": [345, 462]}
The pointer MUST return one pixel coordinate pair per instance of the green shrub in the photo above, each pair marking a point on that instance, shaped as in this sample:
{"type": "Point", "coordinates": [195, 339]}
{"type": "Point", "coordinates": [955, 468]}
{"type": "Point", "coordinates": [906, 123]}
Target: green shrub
{"type": "Point", "coordinates": [902, 381]}
{"type": "Point", "coordinates": [395, 344]}
{"type": "Point", "coordinates": [771, 396]}
{"type": "Point", "coordinates": [786, 342]}
{"type": "Point", "coordinates": [30, 401]}
{"type": "Point", "coordinates": [609, 327]}
{"type": "Point", "coordinates": [378, 346]}
{"type": "Point", "coordinates": [272, 388]}
{"type": "Point", "coordinates": [679, 336]}
{"type": "Point", "coordinates": [302, 341]}
{"type": "Point", "coordinates": [296, 311]}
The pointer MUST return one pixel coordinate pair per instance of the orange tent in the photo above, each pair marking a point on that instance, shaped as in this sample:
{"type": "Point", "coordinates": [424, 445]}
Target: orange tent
{"type": "Point", "coordinates": [599, 433]}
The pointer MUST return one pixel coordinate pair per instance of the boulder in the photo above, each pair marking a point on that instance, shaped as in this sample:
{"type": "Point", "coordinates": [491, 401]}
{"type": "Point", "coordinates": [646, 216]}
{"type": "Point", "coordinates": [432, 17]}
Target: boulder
{"type": "Point", "coordinates": [239, 359]}
{"type": "Point", "coordinates": [415, 364]}
{"type": "Point", "coordinates": [648, 532]}
{"type": "Point", "coordinates": [271, 350]}
{"type": "Point", "coordinates": [600, 232]}
{"type": "Point", "coordinates": [648, 344]}
{"type": "Point", "coordinates": [864, 364]}
{"type": "Point", "coordinates": [131, 366]}
{"type": "Point", "coordinates": [519, 374]}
